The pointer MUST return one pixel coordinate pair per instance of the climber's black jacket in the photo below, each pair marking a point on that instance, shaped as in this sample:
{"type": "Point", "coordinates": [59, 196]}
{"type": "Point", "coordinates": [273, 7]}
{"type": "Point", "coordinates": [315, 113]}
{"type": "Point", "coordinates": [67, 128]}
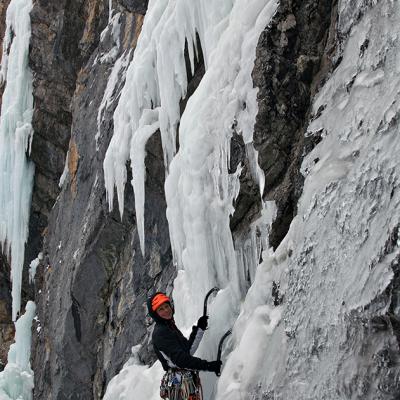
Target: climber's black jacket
{"type": "Point", "coordinates": [172, 348]}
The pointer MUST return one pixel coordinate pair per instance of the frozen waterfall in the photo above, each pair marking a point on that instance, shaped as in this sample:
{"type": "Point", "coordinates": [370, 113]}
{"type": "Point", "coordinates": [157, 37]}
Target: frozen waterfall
{"type": "Point", "coordinates": [337, 243]}
{"type": "Point", "coordinates": [15, 139]}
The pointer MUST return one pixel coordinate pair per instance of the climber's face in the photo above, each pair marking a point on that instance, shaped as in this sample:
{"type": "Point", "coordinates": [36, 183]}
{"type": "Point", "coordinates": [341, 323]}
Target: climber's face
{"type": "Point", "coordinates": [165, 311]}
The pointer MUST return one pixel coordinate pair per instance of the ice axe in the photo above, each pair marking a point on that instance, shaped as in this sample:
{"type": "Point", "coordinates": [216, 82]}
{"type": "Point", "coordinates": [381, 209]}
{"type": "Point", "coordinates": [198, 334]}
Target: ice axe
{"type": "Point", "coordinates": [210, 292]}
{"type": "Point", "coordinates": [221, 343]}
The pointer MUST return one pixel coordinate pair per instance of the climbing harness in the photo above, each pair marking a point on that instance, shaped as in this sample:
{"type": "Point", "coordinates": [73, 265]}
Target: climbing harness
{"type": "Point", "coordinates": [181, 384]}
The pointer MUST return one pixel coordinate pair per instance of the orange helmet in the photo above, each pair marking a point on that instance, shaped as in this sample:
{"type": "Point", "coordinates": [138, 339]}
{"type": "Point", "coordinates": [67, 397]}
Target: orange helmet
{"type": "Point", "coordinates": [158, 300]}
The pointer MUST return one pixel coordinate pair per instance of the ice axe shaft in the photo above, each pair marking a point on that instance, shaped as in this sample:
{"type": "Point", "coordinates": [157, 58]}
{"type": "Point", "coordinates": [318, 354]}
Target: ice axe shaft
{"type": "Point", "coordinates": [210, 292]}
{"type": "Point", "coordinates": [221, 343]}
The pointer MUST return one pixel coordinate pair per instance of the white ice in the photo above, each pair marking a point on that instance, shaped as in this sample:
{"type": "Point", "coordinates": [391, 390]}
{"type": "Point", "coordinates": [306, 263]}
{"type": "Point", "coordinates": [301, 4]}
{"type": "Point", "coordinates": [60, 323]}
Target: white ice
{"type": "Point", "coordinates": [199, 190]}
{"type": "Point", "coordinates": [16, 381]}
{"type": "Point", "coordinates": [64, 175]}
{"type": "Point", "coordinates": [33, 266]}
{"type": "Point", "coordinates": [336, 244]}
{"type": "Point", "coordinates": [157, 77]}
{"type": "Point", "coordinates": [114, 26]}
{"type": "Point", "coordinates": [117, 75]}
{"type": "Point", "coordinates": [333, 259]}
{"type": "Point", "coordinates": [15, 138]}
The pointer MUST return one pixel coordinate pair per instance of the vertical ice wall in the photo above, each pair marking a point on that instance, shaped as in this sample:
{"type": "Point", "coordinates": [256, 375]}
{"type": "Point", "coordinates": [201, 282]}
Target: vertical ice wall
{"type": "Point", "coordinates": [15, 137]}
{"type": "Point", "coordinates": [199, 189]}
{"type": "Point", "coordinates": [343, 242]}
{"type": "Point", "coordinates": [342, 246]}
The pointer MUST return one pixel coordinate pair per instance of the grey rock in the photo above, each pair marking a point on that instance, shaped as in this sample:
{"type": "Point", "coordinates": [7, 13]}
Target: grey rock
{"type": "Point", "coordinates": [289, 67]}
{"type": "Point", "coordinates": [135, 6]}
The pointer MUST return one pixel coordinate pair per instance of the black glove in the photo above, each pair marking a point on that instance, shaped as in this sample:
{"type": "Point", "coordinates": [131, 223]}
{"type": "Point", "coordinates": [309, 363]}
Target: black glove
{"type": "Point", "coordinates": [202, 323]}
{"type": "Point", "coordinates": [214, 366]}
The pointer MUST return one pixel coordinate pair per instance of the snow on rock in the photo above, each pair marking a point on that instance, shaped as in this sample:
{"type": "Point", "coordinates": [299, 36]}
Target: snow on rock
{"type": "Point", "coordinates": [16, 381]}
{"type": "Point", "coordinates": [114, 27]}
{"type": "Point", "coordinates": [15, 138]}
{"type": "Point", "coordinates": [119, 68]}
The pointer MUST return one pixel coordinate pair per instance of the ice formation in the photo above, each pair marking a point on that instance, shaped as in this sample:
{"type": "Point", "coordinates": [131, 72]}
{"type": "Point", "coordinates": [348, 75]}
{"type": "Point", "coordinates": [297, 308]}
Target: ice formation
{"type": "Point", "coordinates": [157, 79]}
{"type": "Point", "coordinates": [33, 266]}
{"type": "Point", "coordinates": [336, 244]}
{"type": "Point", "coordinates": [199, 190]}
{"type": "Point", "coordinates": [64, 175]}
{"type": "Point", "coordinates": [16, 381]}
{"type": "Point", "coordinates": [112, 84]}
{"type": "Point", "coordinates": [15, 138]}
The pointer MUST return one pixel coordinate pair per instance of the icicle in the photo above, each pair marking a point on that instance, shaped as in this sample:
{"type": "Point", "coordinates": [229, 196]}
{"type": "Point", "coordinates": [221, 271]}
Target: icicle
{"type": "Point", "coordinates": [199, 189]}
{"type": "Point", "coordinates": [157, 78]}
{"type": "Point", "coordinates": [147, 126]}
{"type": "Point", "coordinates": [15, 136]}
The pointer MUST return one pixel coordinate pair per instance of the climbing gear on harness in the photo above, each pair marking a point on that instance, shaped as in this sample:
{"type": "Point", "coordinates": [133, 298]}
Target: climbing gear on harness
{"type": "Point", "coordinates": [181, 384]}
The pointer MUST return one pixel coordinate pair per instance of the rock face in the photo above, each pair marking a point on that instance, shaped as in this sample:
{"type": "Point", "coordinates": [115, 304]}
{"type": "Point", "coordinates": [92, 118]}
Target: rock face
{"type": "Point", "coordinates": [292, 58]}
{"type": "Point", "coordinates": [92, 284]}
{"type": "Point", "coordinates": [6, 325]}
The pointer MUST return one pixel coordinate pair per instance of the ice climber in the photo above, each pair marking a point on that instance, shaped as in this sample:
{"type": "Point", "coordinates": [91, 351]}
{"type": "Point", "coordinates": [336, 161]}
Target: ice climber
{"type": "Point", "coordinates": [181, 380]}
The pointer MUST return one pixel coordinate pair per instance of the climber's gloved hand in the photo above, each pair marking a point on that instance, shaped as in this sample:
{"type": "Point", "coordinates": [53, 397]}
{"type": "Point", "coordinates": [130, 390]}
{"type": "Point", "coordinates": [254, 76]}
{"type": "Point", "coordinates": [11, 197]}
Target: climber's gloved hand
{"type": "Point", "coordinates": [202, 323]}
{"type": "Point", "coordinates": [215, 366]}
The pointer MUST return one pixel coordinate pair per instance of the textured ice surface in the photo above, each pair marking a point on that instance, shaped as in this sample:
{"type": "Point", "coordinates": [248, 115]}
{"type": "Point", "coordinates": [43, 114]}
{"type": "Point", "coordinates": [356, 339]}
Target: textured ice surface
{"type": "Point", "coordinates": [348, 212]}
{"type": "Point", "coordinates": [199, 190]}
{"type": "Point", "coordinates": [15, 137]}
{"type": "Point", "coordinates": [16, 381]}
{"type": "Point", "coordinates": [33, 266]}
{"type": "Point", "coordinates": [338, 260]}
{"type": "Point", "coordinates": [303, 330]}
{"type": "Point", "coordinates": [157, 79]}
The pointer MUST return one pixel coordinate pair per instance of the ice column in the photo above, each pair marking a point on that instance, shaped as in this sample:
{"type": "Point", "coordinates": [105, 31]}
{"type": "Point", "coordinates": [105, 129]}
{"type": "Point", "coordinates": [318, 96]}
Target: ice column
{"type": "Point", "coordinates": [16, 381]}
{"type": "Point", "coordinates": [199, 189]}
{"type": "Point", "coordinates": [15, 138]}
